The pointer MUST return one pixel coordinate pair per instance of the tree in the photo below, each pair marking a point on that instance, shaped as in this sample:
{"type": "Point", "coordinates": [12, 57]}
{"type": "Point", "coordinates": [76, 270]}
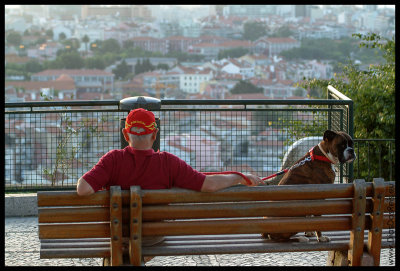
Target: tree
{"type": "Point", "coordinates": [232, 53]}
{"type": "Point", "coordinates": [283, 32]}
{"type": "Point", "coordinates": [49, 33]}
{"type": "Point", "coordinates": [94, 63]}
{"type": "Point", "coordinates": [254, 30]}
{"type": "Point", "coordinates": [86, 40]}
{"type": "Point", "coordinates": [372, 92]}
{"type": "Point", "coordinates": [72, 43]}
{"type": "Point", "coordinates": [121, 70]}
{"type": "Point", "coordinates": [14, 38]}
{"type": "Point", "coordinates": [62, 36]}
{"type": "Point", "coordinates": [33, 66]}
{"type": "Point", "coordinates": [110, 46]}
{"type": "Point", "coordinates": [245, 87]}
{"type": "Point", "coordinates": [162, 66]}
{"type": "Point", "coordinates": [71, 60]}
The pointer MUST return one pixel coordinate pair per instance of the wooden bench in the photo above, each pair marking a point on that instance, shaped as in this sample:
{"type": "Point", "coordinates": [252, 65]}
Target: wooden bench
{"type": "Point", "coordinates": [358, 218]}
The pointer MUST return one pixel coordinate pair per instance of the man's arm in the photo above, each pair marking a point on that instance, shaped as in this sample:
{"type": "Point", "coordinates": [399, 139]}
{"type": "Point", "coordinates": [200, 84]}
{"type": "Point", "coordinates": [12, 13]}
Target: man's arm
{"type": "Point", "coordinates": [83, 188]}
{"type": "Point", "coordinates": [220, 181]}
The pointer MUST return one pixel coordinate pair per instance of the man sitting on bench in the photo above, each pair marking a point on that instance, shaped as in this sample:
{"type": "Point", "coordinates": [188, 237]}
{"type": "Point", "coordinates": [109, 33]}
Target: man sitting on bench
{"type": "Point", "coordinates": [138, 164]}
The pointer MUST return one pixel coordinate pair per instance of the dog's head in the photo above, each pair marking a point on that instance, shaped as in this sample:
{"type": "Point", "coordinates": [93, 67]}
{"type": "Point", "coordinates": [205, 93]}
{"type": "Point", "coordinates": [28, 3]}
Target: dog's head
{"type": "Point", "coordinates": [339, 146]}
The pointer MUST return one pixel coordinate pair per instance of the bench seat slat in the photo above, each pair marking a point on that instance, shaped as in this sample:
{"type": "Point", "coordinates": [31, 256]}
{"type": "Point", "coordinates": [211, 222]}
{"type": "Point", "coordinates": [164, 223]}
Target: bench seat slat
{"type": "Point", "coordinates": [79, 240]}
{"type": "Point", "coordinates": [74, 230]}
{"type": "Point", "coordinates": [241, 248]}
{"type": "Point", "coordinates": [74, 253]}
{"type": "Point", "coordinates": [75, 245]}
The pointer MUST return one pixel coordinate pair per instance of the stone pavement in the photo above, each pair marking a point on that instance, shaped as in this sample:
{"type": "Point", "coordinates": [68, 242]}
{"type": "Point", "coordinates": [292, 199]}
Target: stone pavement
{"type": "Point", "coordinates": [22, 249]}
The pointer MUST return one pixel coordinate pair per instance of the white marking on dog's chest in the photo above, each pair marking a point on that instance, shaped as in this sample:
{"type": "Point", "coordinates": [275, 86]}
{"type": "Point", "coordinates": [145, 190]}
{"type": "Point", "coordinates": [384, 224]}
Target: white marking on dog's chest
{"type": "Point", "coordinates": [333, 168]}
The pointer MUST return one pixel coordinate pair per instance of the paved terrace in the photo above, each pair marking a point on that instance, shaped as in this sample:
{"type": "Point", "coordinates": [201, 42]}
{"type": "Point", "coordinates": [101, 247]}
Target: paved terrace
{"type": "Point", "coordinates": [22, 249]}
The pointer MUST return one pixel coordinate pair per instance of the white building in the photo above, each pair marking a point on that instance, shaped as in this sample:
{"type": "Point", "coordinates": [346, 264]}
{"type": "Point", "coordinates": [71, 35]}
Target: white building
{"type": "Point", "coordinates": [190, 80]}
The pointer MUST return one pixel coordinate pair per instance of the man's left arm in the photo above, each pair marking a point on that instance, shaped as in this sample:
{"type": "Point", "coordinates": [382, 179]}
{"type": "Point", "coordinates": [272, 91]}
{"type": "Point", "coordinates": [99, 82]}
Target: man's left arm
{"type": "Point", "coordinates": [83, 188]}
{"type": "Point", "coordinates": [220, 181]}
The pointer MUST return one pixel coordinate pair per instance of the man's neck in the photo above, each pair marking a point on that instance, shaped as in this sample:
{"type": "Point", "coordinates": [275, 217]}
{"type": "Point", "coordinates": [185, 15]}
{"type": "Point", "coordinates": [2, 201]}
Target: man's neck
{"type": "Point", "coordinates": [141, 147]}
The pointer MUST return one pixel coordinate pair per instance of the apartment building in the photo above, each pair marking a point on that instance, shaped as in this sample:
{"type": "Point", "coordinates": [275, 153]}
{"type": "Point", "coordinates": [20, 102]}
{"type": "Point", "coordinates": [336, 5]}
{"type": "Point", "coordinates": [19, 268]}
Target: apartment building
{"type": "Point", "coordinates": [91, 80]}
{"type": "Point", "coordinates": [191, 80]}
{"type": "Point", "coordinates": [273, 46]}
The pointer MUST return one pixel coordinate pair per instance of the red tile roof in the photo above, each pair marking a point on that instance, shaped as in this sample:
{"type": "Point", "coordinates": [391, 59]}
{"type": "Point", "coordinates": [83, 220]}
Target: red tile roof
{"type": "Point", "coordinates": [281, 40]}
{"type": "Point", "coordinates": [37, 85]}
{"type": "Point", "coordinates": [73, 72]}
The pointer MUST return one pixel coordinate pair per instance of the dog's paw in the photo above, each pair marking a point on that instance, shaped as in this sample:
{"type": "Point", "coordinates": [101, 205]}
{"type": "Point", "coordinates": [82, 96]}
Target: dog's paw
{"type": "Point", "coordinates": [323, 239]}
{"type": "Point", "coordinates": [265, 236]}
{"type": "Point", "coordinates": [303, 239]}
{"type": "Point", "coordinates": [309, 233]}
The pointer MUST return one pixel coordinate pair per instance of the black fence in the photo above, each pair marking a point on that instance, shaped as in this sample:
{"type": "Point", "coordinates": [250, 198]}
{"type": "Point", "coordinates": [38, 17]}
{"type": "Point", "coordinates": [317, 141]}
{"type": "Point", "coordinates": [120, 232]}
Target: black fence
{"type": "Point", "coordinates": [49, 145]}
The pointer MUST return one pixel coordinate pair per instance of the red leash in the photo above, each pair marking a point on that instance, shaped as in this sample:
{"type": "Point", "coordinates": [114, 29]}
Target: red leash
{"type": "Point", "coordinates": [312, 156]}
{"type": "Point", "coordinates": [243, 176]}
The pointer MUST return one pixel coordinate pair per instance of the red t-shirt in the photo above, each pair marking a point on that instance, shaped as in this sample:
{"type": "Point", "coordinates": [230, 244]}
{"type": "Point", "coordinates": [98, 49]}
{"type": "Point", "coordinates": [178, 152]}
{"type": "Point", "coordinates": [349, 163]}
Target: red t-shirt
{"type": "Point", "coordinates": [145, 168]}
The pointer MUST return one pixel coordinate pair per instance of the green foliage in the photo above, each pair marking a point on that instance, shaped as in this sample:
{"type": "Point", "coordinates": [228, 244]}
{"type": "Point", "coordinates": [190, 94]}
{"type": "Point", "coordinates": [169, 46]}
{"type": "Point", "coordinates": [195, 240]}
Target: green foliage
{"type": "Point", "coordinates": [73, 43]}
{"type": "Point", "coordinates": [282, 32]}
{"type": "Point", "coordinates": [62, 36]}
{"type": "Point", "coordinates": [71, 60]}
{"type": "Point", "coordinates": [254, 30]}
{"type": "Point", "coordinates": [121, 70]}
{"type": "Point", "coordinates": [232, 53]}
{"type": "Point", "coordinates": [110, 46]}
{"type": "Point", "coordinates": [246, 87]}
{"type": "Point", "coordinates": [50, 33]}
{"type": "Point", "coordinates": [13, 38]}
{"type": "Point", "coordinates": [143, 66]}
{"type": "Point", "coordinates": [372, 91]}
{"type": "Point", "coordinates": [95, 63]}
{"type": "Point", "coordinates": [162, 66]}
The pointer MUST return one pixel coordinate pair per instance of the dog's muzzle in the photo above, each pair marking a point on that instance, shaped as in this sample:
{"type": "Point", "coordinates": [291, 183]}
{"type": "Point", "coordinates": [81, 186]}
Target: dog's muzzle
{"type": "Point", "coordinates": [349, 155]}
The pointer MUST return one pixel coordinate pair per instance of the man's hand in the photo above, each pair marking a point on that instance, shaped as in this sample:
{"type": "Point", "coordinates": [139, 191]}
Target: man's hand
{"type": "Point", "coordinates": [255, 180]}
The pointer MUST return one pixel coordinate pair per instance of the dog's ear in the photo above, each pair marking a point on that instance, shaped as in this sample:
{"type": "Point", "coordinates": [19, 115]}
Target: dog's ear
{"type": "Point", "coordinates": [329, 135]}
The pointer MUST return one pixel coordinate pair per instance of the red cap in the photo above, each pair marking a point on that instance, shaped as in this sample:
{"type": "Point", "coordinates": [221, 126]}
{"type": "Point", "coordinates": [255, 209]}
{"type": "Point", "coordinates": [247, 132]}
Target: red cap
{"type": "Point", "coordinates": [140, 118]}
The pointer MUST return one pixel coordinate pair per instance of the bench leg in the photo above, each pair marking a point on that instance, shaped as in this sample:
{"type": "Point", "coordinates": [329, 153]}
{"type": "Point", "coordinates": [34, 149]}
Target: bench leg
{"type": "Point", "coordinates": [367, 259]}
{"type": "Point", "coordinates": [337, 258]}
{"type": "Point", "coordinates": [106, 261]}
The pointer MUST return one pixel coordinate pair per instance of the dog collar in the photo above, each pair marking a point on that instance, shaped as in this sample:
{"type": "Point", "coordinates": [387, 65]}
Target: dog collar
{"type": "Point", "coordinates": [320, 157]}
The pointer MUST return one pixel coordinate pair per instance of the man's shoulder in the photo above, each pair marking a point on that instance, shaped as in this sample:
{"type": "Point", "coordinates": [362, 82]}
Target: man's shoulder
{"type": "Point", "coordinates": [114, 152]}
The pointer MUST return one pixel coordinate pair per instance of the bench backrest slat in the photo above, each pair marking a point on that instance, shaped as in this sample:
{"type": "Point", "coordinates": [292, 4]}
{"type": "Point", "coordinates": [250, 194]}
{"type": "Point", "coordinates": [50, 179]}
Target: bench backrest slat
{"type": "Point", "coordinates": [71, 198]}
{"type": "Point", "coordinates": [246, 209]}
{"type": "Point", "coordinates": [245, 226]}
{"type": "Point", "coordinates": [75, 214]}
{"type": "Point", "coordinates": [240, 193]}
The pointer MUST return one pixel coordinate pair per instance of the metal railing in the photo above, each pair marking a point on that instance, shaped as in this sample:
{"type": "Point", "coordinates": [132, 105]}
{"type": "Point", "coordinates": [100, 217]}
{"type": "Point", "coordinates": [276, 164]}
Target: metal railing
{"type": "Point", "coordinates": [49, 145]}
{"type": "Point", "coordinates": [375, 159]}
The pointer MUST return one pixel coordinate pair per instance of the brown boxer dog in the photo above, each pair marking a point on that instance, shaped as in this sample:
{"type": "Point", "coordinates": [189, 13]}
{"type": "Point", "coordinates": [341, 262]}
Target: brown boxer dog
{"type": "Point", "coordinates": [317, 167]}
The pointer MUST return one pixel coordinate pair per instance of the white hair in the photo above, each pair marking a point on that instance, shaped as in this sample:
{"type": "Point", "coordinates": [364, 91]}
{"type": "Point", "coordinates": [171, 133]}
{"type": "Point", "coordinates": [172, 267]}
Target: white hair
{"type": "Point", "coordinates": [138, 137]}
